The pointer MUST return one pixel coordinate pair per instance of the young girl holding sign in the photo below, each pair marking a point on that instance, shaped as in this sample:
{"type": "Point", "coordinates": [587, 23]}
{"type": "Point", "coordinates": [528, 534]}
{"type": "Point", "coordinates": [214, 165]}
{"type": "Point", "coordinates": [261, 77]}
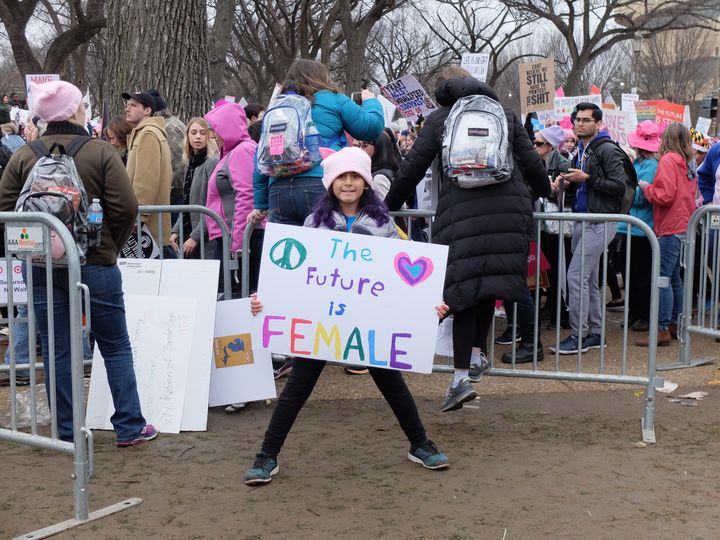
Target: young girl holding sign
{"type": "Point", "coordinates": [350, 205]}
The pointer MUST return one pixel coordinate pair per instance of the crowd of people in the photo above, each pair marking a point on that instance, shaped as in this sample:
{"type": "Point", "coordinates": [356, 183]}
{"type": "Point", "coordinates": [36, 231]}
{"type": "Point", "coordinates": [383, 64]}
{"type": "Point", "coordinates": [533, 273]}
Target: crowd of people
{"type": "Point", "coordinates": [367, 170]}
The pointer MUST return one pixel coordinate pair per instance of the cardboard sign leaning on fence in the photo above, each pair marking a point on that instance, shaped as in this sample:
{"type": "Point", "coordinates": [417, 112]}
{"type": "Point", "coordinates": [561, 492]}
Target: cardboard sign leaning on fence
{"type": "Point", "coordinates": [18, 283]}
{"type": "Point", "coordinates": [409, 97]}
{"type": "Point", "coordinates": [349, 298]}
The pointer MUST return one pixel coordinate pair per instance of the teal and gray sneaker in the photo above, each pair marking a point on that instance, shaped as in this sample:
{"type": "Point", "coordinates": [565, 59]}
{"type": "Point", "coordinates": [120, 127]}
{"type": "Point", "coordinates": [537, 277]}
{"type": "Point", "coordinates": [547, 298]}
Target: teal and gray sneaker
{"type": "Point", "coordinates": [262, 470]}
{"type": "Point", "coordinates": [429, 456]}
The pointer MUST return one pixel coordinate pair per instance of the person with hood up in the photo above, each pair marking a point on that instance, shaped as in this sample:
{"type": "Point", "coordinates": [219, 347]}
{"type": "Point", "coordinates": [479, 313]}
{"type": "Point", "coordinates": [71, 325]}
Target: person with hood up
{"type": "Point", "coordinates": [230, 188]}
{"type": "Point", "coordinates": [487, 230]}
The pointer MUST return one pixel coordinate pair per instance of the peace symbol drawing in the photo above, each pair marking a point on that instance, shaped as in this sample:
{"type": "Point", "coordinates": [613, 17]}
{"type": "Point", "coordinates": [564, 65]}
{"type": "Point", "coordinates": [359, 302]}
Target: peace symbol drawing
{"type": "Point", "coordinates": [413, 272]}
{"type": "Point", "coordinates": [288, 254]}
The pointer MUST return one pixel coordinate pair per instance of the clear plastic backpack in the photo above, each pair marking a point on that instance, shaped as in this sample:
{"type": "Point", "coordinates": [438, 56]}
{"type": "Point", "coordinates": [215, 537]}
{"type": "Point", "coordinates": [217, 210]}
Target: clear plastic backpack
{"type": "Point", "coordinates": [284, 147]}
{"type": "Point", "coordinates": [475, 150]}
{"type": "Point", "coordinates": [55, 187]}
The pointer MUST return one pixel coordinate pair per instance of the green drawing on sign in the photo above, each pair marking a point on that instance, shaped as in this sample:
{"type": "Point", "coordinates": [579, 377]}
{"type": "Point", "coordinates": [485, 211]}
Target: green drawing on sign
{"type": "Point", "coordinates": [288, 254]}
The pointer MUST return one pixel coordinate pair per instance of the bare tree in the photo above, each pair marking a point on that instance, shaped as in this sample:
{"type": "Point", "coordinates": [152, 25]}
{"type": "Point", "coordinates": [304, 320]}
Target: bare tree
{"type": "Point", "coordinates": [676, 66]}
{"type": "Point", "coordinates": [477, 26]}
{"type": "Point", "coordinates": [594, 27]}
{"type": "Point", "coordinates": [165, 48]}
{"type": "Point", "coordinates": [218, 44]}
{"type": "Point", "coordinates": [83, 23]}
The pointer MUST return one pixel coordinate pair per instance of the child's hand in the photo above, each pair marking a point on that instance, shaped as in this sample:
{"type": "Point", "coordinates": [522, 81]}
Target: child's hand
{"type": "Point", "coordinates": [255, 304]}
{"type": "Point", "coordinates": [442, 310]}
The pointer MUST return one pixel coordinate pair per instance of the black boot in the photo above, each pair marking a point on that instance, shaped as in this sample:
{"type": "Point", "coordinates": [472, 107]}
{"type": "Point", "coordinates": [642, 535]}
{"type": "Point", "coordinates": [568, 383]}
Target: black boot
{"type": "Point", "coordinates": [524, 353]}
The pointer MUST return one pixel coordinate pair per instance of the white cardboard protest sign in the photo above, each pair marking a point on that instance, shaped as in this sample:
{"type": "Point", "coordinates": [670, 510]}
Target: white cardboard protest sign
{"type": "Point", "coordinates": [619, 124]}
{"type": "Point", "coordinates": [38, 78]}
{"type": "Point", "coordinates": [537, 85]}
{"type": "Point", "coordinates": [161, 334]}
{"type": "Point", "coordinates": [355, 299]}
{"type": "Point", "coordinates": [565, 105]}
{"type": "Point", "coordinates": [627, 102]}
{"type": "Point", "coordinates": [241, 371]}
{"type": "Point", "coordinates": [193, 283]}
{"type": "Point", "coordinates": [546, 116]}
{"type": "Point", "coordinates": [19, 116]}
{"type": "Point", "coordinates": [703, 125]}
{"type": "Point", "coordinates": [19, 289]}
{"type": "Point", "coordinates": [388, 109]}
{"type": "Point", "coordinates": [476, 64]}
{"type": "Point", "coordinates": [409, 97]}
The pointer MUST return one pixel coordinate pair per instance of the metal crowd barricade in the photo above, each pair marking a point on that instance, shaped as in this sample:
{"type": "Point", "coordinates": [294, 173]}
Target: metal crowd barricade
{"type": "Point", "coordinates": [33, 230]}
{"type": "Point", "coordinates": [227, 263]}
{"type": "Point", "coordinates": [578, 370]}
{"type": "Point", "coordinates": [704, 320]}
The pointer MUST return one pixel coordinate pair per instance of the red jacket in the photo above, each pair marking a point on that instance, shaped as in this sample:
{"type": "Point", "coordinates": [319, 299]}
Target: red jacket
{"type": "Point", "coordinates": [672, 195]}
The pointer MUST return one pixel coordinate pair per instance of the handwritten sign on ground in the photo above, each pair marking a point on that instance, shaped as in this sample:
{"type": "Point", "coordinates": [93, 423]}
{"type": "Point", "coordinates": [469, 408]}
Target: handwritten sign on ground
{"type": "Point", "coordinates": [355, 299]}
{"type": "Point", "coordinates": [19, 290]}
{"type": "Point", "coordinates": [409, 97]}
{"type": "Point", "coordinates": [241, 371]}
{"type": "Point", "coordinates": [195, 283]}
{"type": "Point", "coordinates": [565, 105]}
{"type": "Point", "coordinates": [161, 334]}
{"type": "Point", "coordinates": [619, 124]}
{"type": "Point", "coordinates": [476, 64]}
{"type": "Point", "coordinates": [537, 85]}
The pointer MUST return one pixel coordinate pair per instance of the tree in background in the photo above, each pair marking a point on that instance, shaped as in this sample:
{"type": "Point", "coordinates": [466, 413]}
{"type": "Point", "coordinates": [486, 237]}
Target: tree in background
{"type": "Point", "coordinates": [161, 45]}
{"type": "Point", "coordinates": [594, 27]}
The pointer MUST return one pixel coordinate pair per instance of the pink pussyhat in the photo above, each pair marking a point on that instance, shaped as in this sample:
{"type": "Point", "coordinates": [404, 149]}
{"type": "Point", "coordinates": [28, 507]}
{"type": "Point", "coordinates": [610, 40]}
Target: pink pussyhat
{"type": "Point", "coordinates": [55, 101]}
{"type": "Point", "coordinates": [349, 159]}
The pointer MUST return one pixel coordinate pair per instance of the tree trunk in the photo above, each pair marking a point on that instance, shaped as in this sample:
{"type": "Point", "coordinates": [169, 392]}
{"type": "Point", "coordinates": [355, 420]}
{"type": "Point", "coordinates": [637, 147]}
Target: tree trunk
{"type": "Point", "coordinates": [161, 45]}
{"type": "Point", "coordinates": [218, 45]}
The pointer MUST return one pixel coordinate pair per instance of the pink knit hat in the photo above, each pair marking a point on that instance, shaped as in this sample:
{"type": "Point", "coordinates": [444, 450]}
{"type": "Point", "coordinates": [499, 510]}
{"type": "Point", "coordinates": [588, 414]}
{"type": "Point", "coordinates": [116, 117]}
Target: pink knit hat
{"type": "Point", "coordinates": [55, 101]}
{"type": "Point", "coordinates": [349, 159]}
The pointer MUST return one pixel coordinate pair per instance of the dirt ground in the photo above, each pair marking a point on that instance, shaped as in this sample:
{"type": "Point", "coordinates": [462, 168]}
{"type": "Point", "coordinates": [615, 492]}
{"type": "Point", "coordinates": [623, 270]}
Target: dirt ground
{"type": "Point", "coordinates": [529, 459]}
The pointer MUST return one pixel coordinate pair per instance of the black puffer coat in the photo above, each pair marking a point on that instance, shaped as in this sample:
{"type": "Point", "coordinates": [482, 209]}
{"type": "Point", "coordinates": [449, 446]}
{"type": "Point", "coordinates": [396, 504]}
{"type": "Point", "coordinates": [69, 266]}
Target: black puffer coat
{"type": "Point", "coordinates": [486, 228]}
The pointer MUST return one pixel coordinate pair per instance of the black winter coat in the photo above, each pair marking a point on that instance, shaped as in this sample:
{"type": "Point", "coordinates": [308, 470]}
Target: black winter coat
{"type": "Point", "coordinates": [488, 228]}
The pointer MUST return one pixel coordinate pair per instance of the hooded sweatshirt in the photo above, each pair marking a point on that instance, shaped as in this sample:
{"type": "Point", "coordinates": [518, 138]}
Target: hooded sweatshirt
{"type": "Point", "coordinates": [230, 188]}
{"type": "Point", "coordinates": [672, 195]}
{"type": "Point", "coordinates": [709, 176]}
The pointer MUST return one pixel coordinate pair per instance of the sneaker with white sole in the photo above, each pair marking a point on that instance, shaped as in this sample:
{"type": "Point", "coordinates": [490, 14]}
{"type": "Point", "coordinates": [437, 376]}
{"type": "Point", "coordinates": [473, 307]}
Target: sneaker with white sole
{"type": "Point", "coordinates": [262, 471]}
{"type": "Point", "coordinates": [570, 345]}
{"type": "Point", "coordinates": [148, 433]}
{"type": "Point", "coordinates": [457, 395]}
{"type": "Point", "coordinates": [477, 370]}
{"type": "Point", "coordinates": [429, 456]}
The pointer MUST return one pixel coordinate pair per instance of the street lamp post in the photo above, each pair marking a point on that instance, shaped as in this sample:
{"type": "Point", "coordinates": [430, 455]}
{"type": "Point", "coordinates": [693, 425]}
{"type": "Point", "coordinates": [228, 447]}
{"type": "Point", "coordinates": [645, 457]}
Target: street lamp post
{"type": "Point", "coordinates": [636, 48]}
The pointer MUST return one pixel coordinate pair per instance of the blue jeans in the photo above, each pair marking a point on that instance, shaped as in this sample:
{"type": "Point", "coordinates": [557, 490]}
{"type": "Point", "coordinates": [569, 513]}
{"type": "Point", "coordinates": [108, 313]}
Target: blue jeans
{"type": "Point", "coordinates": [291, 200]}
{"type": "Point", "coordinates": [671, 298]}
{"type": "Point", "coordinates": [107, 312]}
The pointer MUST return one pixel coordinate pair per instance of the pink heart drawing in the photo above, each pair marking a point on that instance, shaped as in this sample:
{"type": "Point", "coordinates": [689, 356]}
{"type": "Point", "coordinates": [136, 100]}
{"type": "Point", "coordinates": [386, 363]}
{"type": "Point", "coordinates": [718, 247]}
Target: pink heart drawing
{"type": "Point", "coordinates": [413, 272]}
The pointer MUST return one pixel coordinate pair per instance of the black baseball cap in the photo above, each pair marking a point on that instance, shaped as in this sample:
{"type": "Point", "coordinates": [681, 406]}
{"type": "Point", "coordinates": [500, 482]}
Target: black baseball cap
{"type": "Point", "coordinates": [142, 97]}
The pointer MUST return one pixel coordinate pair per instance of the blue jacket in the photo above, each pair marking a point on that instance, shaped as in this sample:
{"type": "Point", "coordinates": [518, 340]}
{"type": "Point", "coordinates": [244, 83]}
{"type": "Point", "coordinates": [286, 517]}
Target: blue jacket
{"type": "Point", "coordinates": [333, 114]}
{"type": "Point", "coordinates": [708, 172]}
{"type": "Point", "coordinates": [641, 207]}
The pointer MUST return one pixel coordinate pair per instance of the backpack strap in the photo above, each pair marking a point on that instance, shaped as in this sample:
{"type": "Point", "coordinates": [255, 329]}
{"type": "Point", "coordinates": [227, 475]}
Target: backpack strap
{"type": "Point", "coordinates": [76, 144]}
{"type": "Point", "coordinates": [39, 148]}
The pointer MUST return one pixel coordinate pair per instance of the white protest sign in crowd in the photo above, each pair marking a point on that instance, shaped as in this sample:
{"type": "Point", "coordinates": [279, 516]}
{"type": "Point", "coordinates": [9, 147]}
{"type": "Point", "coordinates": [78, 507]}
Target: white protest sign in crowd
{"type": "Point", "coordinates": [409, 97]}
{"type": "Point", "coordinates": [619, 124]}
{"type": "Point", "coordinates": [356, 299]}
{"type": "Point", "coordinates": [565, 105]}
{"type": "Point", "coordinates": [476, 64]}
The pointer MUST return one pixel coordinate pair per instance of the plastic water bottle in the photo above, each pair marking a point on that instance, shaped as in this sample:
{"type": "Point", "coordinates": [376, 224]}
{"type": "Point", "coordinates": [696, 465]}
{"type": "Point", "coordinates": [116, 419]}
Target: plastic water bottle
{"type": "Point", "coordinates": [312, 142]}
{"type": "Point", "coordinates": [95, 214]}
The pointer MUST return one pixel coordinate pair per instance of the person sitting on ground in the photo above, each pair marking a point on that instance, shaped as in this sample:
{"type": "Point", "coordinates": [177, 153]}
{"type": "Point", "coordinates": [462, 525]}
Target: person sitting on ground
{"type": "Point", "coordinates": [350, 205]}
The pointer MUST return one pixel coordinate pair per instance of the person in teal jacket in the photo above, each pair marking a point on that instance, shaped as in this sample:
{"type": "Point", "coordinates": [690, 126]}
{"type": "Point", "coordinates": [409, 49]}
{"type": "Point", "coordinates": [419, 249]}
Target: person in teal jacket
{"type": "Point", "coordinates": [645, 141]}
{"type": "Point", "coordinates": [290, 200]}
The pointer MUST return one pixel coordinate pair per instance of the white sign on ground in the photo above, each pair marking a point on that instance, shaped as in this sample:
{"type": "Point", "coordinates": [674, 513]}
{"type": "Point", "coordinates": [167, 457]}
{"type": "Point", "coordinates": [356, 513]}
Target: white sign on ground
{"type": "Point", "coordinates": [356, 299]}
{"type": "Point", "coordinates": [161, 335]}
{"type": "Point", "coordinates": [192, 283]}
{"type": "Point", "coordinates": [241, 371]}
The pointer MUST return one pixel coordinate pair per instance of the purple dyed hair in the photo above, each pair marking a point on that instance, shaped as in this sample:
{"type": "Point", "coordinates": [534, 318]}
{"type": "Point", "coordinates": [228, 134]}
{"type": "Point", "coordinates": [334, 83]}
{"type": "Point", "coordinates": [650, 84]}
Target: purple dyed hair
{"type": "Point", "coordinates": [370, 204]}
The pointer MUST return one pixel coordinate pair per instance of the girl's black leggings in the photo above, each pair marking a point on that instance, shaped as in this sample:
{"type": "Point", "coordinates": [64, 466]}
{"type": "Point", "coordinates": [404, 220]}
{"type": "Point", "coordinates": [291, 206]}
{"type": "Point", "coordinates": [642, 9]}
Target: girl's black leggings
{"type": "Point", "coordinates": [470, 329]}
{"type": "Point", "coordinates": [299, 386]}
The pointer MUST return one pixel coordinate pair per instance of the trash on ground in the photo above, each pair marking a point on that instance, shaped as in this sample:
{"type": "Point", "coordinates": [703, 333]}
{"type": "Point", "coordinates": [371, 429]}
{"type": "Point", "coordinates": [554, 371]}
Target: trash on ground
{"type": "Point", "coordinates": [667, 387]}
{"type": "Point", "coordinates": [694, 395]}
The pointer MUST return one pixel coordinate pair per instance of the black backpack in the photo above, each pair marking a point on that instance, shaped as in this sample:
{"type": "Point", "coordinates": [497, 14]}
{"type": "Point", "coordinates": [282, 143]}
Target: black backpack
{"type": "Point", "coordinates": [631, 180]}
